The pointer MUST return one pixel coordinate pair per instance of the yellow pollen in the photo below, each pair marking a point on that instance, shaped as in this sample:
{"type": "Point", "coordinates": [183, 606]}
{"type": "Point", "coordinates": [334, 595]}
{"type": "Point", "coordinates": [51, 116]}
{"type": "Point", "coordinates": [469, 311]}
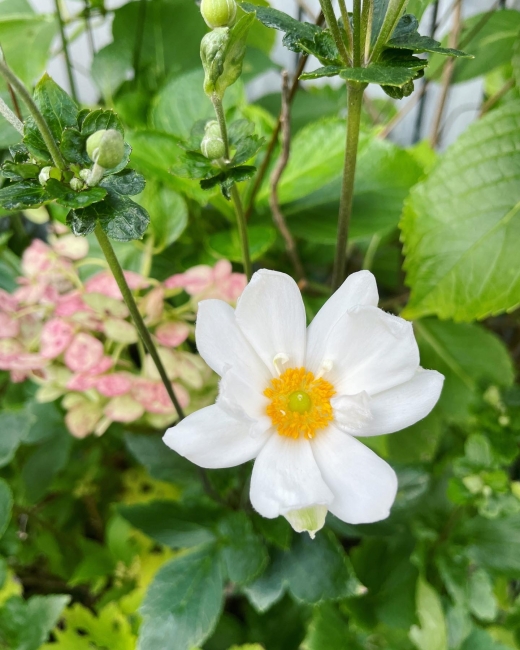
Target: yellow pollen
{"type": "Point", "coordinates": [299, 403]}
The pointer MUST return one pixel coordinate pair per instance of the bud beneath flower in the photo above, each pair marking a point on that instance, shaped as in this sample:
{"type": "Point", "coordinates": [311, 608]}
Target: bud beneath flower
{"type": "Point", "coordinates": [77, 184]}
{"type": "Point", "coordinates": [106, 148]}
{"type": "Point", "coordinates": [218, 13]}
{"type": "Point", "coordinates": [212, 146]}
{"type": "Point", "coordinates": [49, 172]}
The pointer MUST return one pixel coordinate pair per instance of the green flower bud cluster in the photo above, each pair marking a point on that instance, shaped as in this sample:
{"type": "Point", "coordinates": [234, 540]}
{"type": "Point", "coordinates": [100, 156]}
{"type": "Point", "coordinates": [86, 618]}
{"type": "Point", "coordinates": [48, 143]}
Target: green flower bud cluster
{"type": "Point", "coordinates": [218, 13]}
{"type": "Point", "coordinates": [212, 146]}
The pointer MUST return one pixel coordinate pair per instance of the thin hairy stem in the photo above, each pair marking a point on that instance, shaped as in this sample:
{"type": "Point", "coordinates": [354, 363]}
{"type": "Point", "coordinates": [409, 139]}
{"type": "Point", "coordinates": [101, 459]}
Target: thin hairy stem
{"type": "Point", "coordinates": [357, 33]}
{"type": "Point", "coordinates": [41, 123]}
{"type": "Point", "coordinates": [355, 104]}
{"type": "Point", "coordinates": [128, 297]}
{"type": "Point", "coordinates": [235, 196]}
{"type": "Point", "coordinates": [347, 26]}
{"type": "Point", "coordinates": [332, 22]}
{"type": "Point", "coordinates": [367, 18]}
{"type": "Point", "coordinates": [10, 116]}
{"type": "Point", "coordinates": [65, 45]}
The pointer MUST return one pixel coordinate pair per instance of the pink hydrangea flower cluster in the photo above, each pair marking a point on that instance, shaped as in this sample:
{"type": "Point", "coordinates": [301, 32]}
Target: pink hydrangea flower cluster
{"type": "Point", "coordinates": [77, 341]}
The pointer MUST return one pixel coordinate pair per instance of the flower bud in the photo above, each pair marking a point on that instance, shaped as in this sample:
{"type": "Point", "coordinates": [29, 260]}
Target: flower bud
{"type": "Point", "coordinates": [49, 172]}
{"type": "Point", "coordinates": [212, 146]}
{"type": "Point", "coordinates": [218, 13]}
{"type": "Point", "coordinates": [77, 184]}
{"type": "Point", "coordinates": [106, 148]}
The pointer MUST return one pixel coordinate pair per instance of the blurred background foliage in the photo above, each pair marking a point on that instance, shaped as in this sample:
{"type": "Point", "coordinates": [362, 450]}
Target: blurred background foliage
{"type": "Point", "coordinates": [94, 531]}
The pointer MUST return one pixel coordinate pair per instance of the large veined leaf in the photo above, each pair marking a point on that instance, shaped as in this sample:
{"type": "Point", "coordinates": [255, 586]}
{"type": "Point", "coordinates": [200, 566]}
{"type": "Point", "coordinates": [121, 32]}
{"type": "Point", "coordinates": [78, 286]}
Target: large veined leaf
{"type": "Point", "coordinates": [432, 633]}
{"type": "Point", "coordinates": [461, 226]}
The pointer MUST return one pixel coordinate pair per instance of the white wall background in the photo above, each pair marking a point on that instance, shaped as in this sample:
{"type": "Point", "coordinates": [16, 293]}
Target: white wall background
{"type": "Point", "coordinates": [461, 108]}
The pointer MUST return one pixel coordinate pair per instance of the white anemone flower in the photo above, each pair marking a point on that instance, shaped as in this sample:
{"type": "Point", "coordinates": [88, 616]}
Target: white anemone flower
{"type": "Point", "coordinates": [296, 399]}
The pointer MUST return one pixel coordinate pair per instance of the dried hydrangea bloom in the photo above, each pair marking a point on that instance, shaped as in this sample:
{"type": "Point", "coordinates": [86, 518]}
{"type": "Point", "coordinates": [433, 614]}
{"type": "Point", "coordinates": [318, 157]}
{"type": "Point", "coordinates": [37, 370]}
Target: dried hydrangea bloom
{"type": "Point", "coordinates": [296, 399]}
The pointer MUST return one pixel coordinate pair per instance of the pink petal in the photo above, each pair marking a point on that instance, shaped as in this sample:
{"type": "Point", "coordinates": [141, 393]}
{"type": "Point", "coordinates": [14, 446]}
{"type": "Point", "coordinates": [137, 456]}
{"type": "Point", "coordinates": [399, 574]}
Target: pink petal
{"type": "Point", "coordinates": [84, 353]}
{"type": "Point", "coordinates": [123, 409]}
{"type": "Point", "coordinates": [234, 287]}
{"type": "Point", "coordinates": [70, 303]}
{"type": "Point", "coordinates": [154, 396]}
{"type": "Point", "coordinates": [222, 270]}
{"type": "Point", "coordinates": [9, 327]}
{"type": "Point", "coordinates": [152, 305]}
{"type": "Point", "coordinates": [7, 301]}
{"type": "Point", "coordinates": [115, 384]}
{"type": "Point", "coordinates": [102, 366]}
{"type": "Point", "coordinates": [81, 383]}
{"type": "Point", "coordinates": [37, 258]}
{"type": "Point", "coordinates": [72, 247]}
{"type": "Point", "coordinates": [172, 334]}
{"type": "Point", "coordinates": [18, 376]}
{"type": "Point", "coordinates": [104, 283]}
{"type": "Point", "coordinates": [56, 336]}
{"type": "Point", "coordinates": [81, 420]}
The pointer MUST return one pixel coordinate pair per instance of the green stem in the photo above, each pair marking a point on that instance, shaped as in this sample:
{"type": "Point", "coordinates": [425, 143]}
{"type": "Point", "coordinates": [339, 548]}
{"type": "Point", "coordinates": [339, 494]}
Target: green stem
{"type": "Point", "coordinates": [330, 17]}
{"type": "Point", "coordinates": [119, 276]}
{"type": "Point", "coordinates": [355, 103]}
{"type": "Point", "coordinates": [235, 196]}
{"type": "Point", "coordinates": [41, 123]}
{"type": "Point", "coordinates": [65, 44]}
{"type": "Point", "coordinates": [347, 26]}
{"type": "Point", "coordinates": [393, 14]}
{"type": "Point", "coordinates": [367, 17]}
{"type": "Point", "coordinates": [357, 33]}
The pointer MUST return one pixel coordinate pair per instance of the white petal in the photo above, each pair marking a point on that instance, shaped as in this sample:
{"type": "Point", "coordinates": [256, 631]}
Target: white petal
{"type": "Point", "coordinates": [213, 439]}
{"type": "Point", "coordinates": [221, 343]}
{"type": "Point", "coordinates": [351, 412]}
{"type": "Point", "coordinates": [358, 289]}
{"type": "Point", "coordinates": [404, 405]}
{"type": "Point", "coordinates": [364, 486]}
{"type": "Point", "coordinates": [286, 477]}
{"type": "Point", "coordinates": [271, 315]}
{"type": "Point", "coordinates": [370, 351]}
{"type": "Point", "coordinates": [243, 393]}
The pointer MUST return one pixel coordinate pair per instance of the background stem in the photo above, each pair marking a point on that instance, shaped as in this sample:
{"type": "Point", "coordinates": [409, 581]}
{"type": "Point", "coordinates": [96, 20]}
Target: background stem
{"type": "Point", "coordinates": [65, 45]}
{"type": "Point", "coordinates": [330, 17]}
{"type": "Point", "coordinates": [355, 103]}
{"type": "Point", "coordinates": [128, 297]}
{"type": "Point", "coordinates": [235, 196]}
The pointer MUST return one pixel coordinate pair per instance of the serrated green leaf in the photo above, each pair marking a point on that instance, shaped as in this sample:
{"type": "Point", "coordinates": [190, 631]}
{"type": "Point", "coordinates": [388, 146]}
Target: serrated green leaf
{"type": "Point", "coordinates": [127, 183]}
{"type": "Point", "coordinates": [193, 165]}
{"type": "Point", "coordinates": [382, 75]}
{"type": "Point", "coordinates": [242, 551]}
{"type": "Point", "coordinates": [22, 195]}
{"type": "Point", "coordinates": [25, 625]}
{"type": "Point", "coordinates": [81, 222]}
{"type": "Point", "coordinates": [494, 543]}
{"type": "Point", "coordinates": [99, 120]}
{"type": "Point", "coordinates": [69, 198]}
{"type": "Point", "coordinates": [72, 147]}
{"type": "Point", "coordinates": [327, 71]}
{"type": "Point", "coordinates": [247, 148]}
{"type": "Point", "coordinates": [41, 467]}
{"type": "Point", "coordinates": [19, 171]}
{"type": "Point", "coordinates": [468, 356]}
{"type": "Point", "coordinates": [228, 178]}
{"type": "Point", "coordinates": [432, 633]}
{"type": "Point", "coordinates": [168, 213]}
{"type": "Point", "coordinates": [329, 629]}
{"type": "Point", "coordinates": [172, 524]}
{"type": "Point", "coordinates": [407, 37]}
{"type": "Point", "coordinates": [6, 505]}
{"type": "Point", "coordinates": [183, 603]}
{"type": "Point", "coordinates": [58, 109]}
{"type": "Point", "coordinates": [460, 226]}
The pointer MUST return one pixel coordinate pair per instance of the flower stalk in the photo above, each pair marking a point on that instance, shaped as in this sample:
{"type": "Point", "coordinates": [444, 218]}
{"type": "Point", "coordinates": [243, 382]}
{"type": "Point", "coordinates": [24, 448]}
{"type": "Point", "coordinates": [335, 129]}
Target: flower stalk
{"type": "Point", "coordinates": [235, 195]}
{"type": "Point", "coordinates": [65, 45]}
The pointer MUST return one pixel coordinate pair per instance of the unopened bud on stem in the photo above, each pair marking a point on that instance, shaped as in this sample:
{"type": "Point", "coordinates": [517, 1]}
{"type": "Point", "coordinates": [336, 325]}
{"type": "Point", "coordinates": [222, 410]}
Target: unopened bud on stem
{"type": "Point", "coordinates": [212, 146]}
{"type": "Point", "coordinates": [218, 13]}
{"type": "Point", "coordinates": [106, 148]}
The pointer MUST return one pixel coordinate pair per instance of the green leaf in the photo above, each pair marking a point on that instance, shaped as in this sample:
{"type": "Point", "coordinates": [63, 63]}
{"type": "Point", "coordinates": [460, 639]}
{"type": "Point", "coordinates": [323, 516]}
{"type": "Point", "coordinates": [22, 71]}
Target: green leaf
{"type": "Point", "coordinates": [432, 633]}
{"type": "Point", "coordinates": [19, 171]}
{"type": "Point", "coordinates": [480, 640]}
{"type": "Point", "coordinates": [183, 602]}
{"type": "Point", "coordinates": [228, 178]}
{"type": "Point", "coordinates": [72, 147]}
{"type": "Point", "coordinates": [326, 71]}
{"type": "Point", "coordinates": [6, 505]}
{"type": "Point", "coordinates": [58, 109]}
{"type": "Point", "coordinates": [69, 198]}
{"type": "Point", "coordinates": [14, 426]}
{"type": "Point", "coordinates": [25, 625]}
{"type": "Point", "coordinates": [490, 37]}
{"type": "Point", "coordinates": [23, 195]}
{"type": "Point", "coordinates": [26, 33]}
{"type": "Point", "coordinates": [121, 218]}
{"type": "Point", "coordinates": [171, 524]}
{"type": "Point", "coordinates": [383, 75]}
{"type": "Point", "coordinates": [247, 148]}
{"type": "Point", "coordinates": [319, 569]}
{"type": "Point", "coordinates": [468, 356]}
{"type": "Point", "coordinates": [226, 244]}
{"type": "Point", "coordinates": [460, 225]}
{"type": "Point", "coordinates": [149, 451]}
{"type": "Point", "coordinates": [482, 602]}
{"type": "Point", "coordinates": [494, 543]}
{"type": "Point", "coordinates": [407, 37]}
{"type": "Point", "coordinates": [168, 213]}
{"type": "Point", "coordinates": [329, 629]}
{"type": "Point", "coordinates": [193, 165]}
{"type": "Point", "coordinates": [128, 182]}
{"type": "Point", "coordinates": [42, 466]}
{"type": "Point", "coordinates": [242, 551]}
{"type": "Point", "coordinates": [100, 120]}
